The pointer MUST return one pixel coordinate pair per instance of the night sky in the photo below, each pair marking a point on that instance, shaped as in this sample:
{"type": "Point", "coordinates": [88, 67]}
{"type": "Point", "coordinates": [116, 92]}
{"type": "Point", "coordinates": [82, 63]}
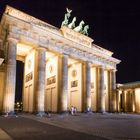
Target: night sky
{"type": "Point", "coordinates": [114, 25]}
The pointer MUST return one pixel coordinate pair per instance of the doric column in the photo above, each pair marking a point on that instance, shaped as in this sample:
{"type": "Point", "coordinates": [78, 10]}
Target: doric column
{"type": "Point", "coordinates": [134, 101]}
{"type": "Point", "coordinates": [118, 100]}
{"type": "Point", "coordinates": [64, 90]}
{"type": "Point", "coordinates": [41, 74]}
{"type": "Point", "coordinates": [131, 100]}
{"type": "Point", "coordinates": [1, 44]}
{"type": "Point", "coordinates": [10, 81]}
{"type": "Point", "coordinates": [88, 85]}
{"type": "Point", "coordinates": [123, 101]}
{"type": "Point", "coordinates": [125, 95]}
{"type": "Point", "coordinates": [101, 96]}
{"type": "Point", "coordinates": [128, 104]}
{"type": "Point", "coordinates": [1, 53]}
{"type": "Point", "coordinates": [113, 91]}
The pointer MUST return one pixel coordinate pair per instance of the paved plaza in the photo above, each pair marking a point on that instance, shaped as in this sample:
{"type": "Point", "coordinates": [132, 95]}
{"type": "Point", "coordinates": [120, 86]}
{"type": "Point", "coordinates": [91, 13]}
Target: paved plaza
{"type": "Point", "coordinates": [65, 126]}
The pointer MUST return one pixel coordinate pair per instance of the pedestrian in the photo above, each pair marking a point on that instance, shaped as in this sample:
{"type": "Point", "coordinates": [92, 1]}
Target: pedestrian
{"type": "Point", "coordinates": [72, 110]}
{"type": "Point", "coordinates": [88, 109]}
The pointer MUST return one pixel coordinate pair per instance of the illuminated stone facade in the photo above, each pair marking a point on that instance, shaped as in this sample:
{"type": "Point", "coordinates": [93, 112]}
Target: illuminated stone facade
{"type": "Point", "coordinates": [62, 68]}
{"type": "Point", "coordinates": [128, 97]}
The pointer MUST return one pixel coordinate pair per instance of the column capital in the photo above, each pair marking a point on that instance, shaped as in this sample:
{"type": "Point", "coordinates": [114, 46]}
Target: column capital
{"type": "Point", "coordinates": [40, 48]}
{"type": "Point", "coordinates": [120, 91]}
{"type": "Point", "coordinates": [113, 70]}
{"type": "Point", "coordinates": [12, 40]}
{"type": "Point", "coordinates": [132, 91]}
{"type": "Point", "coordinates": [89, 63]}
{"type": "Point", "coordinates": [125, 91]}
{"type": "Point", "coordinates": [101, 66]}
{"type": "Point", "coordinates": [65, 55]}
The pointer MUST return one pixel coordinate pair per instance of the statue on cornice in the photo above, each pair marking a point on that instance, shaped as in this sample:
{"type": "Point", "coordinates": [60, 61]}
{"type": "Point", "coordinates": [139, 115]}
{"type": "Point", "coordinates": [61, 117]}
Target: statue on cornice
{"type": "Point", "coordinates": [79, 27]}
{"type": "Point", "coordinates": [85, 30]}
{"type": "Point", "coordinates": [72, 24]}
{"type": "Point", "coordinates": [66, 18]}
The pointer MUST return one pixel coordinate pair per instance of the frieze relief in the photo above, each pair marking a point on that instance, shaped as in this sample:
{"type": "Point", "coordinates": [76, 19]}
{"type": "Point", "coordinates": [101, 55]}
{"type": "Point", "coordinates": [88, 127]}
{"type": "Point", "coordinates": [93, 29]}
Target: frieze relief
{"type": "Point", "coordinates": [29, 77]}
{"type": "Point", "coordinates": [74, 83]}
{"type": "Point", "coordinates": [51, 80]}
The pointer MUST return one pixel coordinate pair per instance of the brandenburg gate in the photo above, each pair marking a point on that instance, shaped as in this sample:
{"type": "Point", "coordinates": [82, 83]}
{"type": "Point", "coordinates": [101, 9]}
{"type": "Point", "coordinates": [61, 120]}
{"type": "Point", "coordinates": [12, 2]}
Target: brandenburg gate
{"type": "Point", "coordinates": [62, 67]}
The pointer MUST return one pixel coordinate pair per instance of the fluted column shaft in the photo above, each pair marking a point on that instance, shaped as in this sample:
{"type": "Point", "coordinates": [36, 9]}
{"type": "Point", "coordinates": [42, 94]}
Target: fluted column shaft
{"type": "Point", "coordinates": [88, 85]}
{"type": "Point", "coordinates": [118, 100]}
{"type": "Point", "coordinates": [123, 100]}
{"type": "Point", "coordinates": [41, 74]}
{"type": "Point", "coordinates": [113, 91]}
{"type": "Point", "coordinates": [10, 81]}
{"type": "Point", "coordinates": [125, 107]}
{"type": "Point", "coordinates": [101, 96]}
{"type": "Point", "coordinates": [134, 101]}
{"type": "Point", "coordinates": [0, 44]}
{"type": "Point", "coordinates": [64, 94]}
{"type": "Point", "coordinates": [1, 53]}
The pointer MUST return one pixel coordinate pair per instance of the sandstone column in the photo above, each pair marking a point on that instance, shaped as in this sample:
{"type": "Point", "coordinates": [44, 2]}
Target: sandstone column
{"type": "Point", "coordinates": [128, 101]}
{"type": "Point", "coordinates": [125, 95]}
{"type": "Point", "coordinates": [101, 96]}
{"type": "Point", "coordinates": [1, 75]}
{"type": "Point", "coordinates": [40, 86]}
{"type": "Point", "coordinates": [64, 93]}
{"type": "Point", "coordinates": [0, 44]}
{"type": "Point", "coordinates": [1, 52]}
{"type": "Point", "coordinates": [118, 100]}
{"type": "Point", "coordinates": [131, 100]}
{"type": "Point", "coordinates": [88, 85]}
{"type": "Point", "coordinates": [10, 81]}
{"type": "Point", "coordinates": [134, 101]}
{"type": "Point", "coordinates": [123, 101]}
{"type": "Point", "coordinates": [113, 91]}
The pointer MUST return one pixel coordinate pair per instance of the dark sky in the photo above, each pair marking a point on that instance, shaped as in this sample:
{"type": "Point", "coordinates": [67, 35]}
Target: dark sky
{"type": "Point", "coordinates": [114, 25]}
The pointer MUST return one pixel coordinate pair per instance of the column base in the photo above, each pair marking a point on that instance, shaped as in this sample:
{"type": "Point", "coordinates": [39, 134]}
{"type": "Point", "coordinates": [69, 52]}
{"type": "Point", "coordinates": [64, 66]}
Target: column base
{"type": "Point", "coordinates": [65, 113]}
{"type": "Point", "coordinates": [89, 112]}
{"type": "Point", "coordinates": [10, 114]}
{"type": "Point", "coordinates": [102, 112]}
{"type": "Point", "coordinates": [43, 114]}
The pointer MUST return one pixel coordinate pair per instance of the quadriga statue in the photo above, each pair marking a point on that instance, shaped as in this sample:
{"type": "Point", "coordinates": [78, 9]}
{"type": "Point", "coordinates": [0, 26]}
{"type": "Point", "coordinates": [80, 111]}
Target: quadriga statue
{"type": "Point", "coordinates": [79, 27]}
{"type": "Point", "coordinates": [85, 30]}
{"type": "Point", "coordinates": [65, 22]}
{"type": "Point", "coordinates": [72, 24]}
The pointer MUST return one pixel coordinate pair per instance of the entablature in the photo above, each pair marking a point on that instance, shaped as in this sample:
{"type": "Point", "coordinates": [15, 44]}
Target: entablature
{"type": "Point", "coordinates": [132, 85]}
{"type": "Point", "coordinates": [53, 39]}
